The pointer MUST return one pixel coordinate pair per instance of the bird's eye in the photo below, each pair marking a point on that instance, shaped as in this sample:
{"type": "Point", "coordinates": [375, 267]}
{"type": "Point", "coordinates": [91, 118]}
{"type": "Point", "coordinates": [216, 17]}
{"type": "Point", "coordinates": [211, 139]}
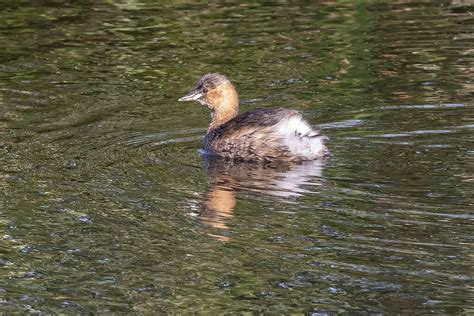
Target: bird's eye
{"type": "Point", "coordinates": [204, 90]}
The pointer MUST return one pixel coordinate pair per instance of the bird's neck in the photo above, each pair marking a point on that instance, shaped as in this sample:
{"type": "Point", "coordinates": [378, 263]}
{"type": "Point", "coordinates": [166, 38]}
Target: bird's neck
{"type": "Point", "coordinates": [226, 106]}
{"type": "Point", "coordinates": [219, 118]}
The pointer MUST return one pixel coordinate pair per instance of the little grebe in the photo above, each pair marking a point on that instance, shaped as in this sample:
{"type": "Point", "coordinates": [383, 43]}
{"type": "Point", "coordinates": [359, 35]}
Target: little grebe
{"type": "Point", "coordinates": [260, 135]}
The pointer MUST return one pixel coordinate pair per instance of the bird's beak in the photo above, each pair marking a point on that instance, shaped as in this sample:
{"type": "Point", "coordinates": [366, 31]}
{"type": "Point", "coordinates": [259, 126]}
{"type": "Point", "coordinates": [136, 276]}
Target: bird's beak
{"type": "Point", "coordinates": [193, 95]}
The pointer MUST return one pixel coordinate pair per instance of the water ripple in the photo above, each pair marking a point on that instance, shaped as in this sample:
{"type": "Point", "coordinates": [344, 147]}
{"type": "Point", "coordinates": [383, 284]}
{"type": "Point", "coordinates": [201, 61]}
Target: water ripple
{"type": "Point", "coordinates": [424, 106]}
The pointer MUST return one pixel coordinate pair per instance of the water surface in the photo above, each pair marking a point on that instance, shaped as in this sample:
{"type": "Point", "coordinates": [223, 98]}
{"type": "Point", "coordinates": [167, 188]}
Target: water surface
{"type": "Point", "coordinates": [107, 205]}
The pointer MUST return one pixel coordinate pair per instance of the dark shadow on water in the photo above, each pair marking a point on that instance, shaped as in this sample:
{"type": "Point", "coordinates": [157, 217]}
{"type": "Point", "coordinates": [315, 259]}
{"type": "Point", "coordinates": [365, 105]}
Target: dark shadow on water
{"type": "Point", "coordinates": [228, 178]}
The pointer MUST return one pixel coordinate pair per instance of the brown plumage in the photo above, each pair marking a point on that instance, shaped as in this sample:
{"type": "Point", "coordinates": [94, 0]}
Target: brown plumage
{"type": "Point", "coordinates": [260, 135]}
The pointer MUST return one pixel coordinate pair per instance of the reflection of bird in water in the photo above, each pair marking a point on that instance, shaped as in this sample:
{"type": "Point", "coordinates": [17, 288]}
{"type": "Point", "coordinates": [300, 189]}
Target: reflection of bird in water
{"type": "Point", "coordinates": [260, 135]}
{"type": "Point", "coordinates": [227, 178]}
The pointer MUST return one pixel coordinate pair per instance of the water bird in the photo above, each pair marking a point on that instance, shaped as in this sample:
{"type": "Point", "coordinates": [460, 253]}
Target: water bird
{"type": "Point", "coordinates": [269, 135]}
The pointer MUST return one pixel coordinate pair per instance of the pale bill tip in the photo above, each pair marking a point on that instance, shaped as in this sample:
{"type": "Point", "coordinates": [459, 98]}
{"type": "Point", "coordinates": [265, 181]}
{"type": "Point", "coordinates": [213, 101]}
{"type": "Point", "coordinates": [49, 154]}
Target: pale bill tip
{"type": "Point", "coordinates": [191, 97]}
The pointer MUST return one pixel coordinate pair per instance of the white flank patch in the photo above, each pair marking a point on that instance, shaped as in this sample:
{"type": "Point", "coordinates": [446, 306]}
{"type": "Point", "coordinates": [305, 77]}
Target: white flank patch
{"type": "Point", "coordinates": [295, 131]}
{"type": "Point", "coordinates": [294, 125]}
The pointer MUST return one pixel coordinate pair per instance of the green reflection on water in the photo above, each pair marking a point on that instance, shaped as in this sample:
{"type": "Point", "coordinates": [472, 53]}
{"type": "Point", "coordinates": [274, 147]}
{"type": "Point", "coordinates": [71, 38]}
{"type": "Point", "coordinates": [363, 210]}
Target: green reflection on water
{"type": "Point", "coordinates": [107, 206]}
